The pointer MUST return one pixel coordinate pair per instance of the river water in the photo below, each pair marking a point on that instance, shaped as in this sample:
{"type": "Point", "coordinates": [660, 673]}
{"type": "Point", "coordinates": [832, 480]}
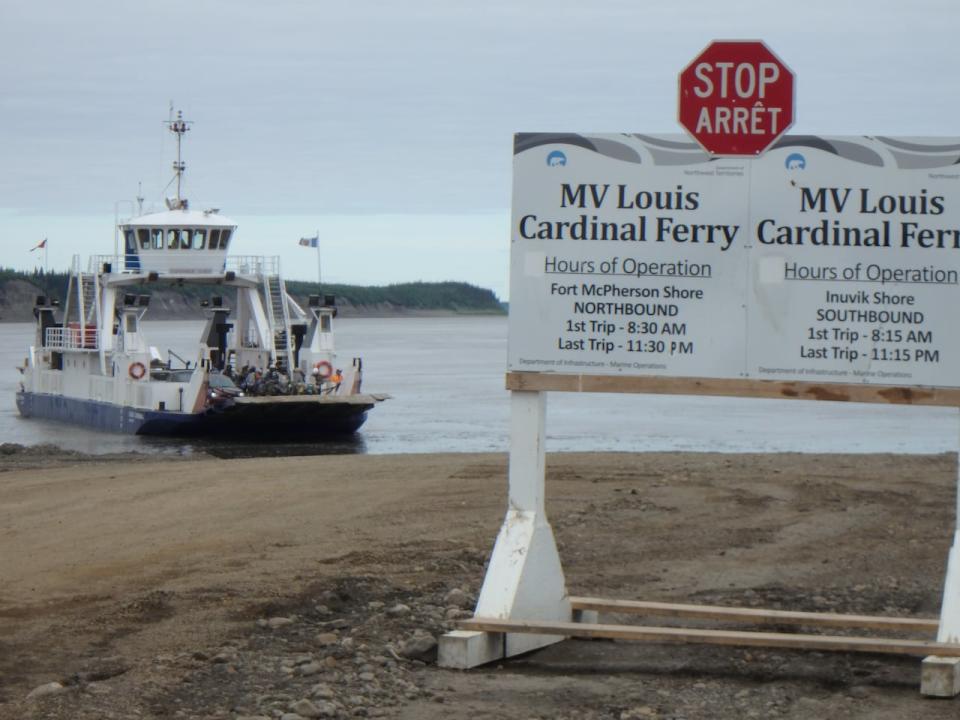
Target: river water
{"type": "Point", "coordinates": [446, 377]}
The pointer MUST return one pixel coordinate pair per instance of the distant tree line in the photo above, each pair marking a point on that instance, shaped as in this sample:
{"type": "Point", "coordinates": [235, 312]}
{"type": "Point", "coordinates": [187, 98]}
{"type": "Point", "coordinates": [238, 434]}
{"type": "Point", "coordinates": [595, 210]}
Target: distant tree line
{"type": "Point", "coordinates": [449, 296]}
{"type": "Point", "coordinates": [52, 284]}
{"type": "Point", "coordinates": [456, 296]}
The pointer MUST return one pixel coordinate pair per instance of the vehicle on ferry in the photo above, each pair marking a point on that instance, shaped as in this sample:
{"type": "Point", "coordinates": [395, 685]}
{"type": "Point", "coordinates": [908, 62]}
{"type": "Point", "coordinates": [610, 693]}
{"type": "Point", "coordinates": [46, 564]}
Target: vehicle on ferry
{"type": "Point", "coordinates": [265, 365]}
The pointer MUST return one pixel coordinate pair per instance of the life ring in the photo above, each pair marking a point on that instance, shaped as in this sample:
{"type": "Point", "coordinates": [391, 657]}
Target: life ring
{"type": "Point", "coordinates": [137, 370]}
{"type": "Point", "coordinates": [324, 369]}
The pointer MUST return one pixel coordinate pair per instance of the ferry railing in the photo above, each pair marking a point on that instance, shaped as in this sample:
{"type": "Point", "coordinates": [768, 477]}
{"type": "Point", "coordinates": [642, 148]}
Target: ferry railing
{"type": "Point", "coordinates": [72, 338]}
{"type": "Point", "coordinates": [240, 264]}
{"type": "Point", "coordinates": [118, 263]}
{"type": "Point", "coordinates": [254, 264]}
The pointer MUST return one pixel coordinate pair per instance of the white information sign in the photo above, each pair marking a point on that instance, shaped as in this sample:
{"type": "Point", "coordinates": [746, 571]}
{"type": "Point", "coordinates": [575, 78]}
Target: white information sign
{"type": "Point", "coordinates": [825, 260]}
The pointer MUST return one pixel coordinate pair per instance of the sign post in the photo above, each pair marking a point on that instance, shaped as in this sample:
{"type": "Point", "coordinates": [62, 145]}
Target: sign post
{"type": "Point", "coordinates": [736, 98]}
{"type": "Point", "coordinates": [524, 577]}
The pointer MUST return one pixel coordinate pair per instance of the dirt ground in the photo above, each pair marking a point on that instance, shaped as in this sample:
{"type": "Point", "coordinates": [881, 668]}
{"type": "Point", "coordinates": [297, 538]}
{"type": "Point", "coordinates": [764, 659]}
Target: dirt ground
{"type": "Point", "coordinates": [314, 586]}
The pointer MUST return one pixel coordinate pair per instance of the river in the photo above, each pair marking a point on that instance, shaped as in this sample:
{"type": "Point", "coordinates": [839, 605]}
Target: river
{"type": "Point", "coordinates": [445, 376]}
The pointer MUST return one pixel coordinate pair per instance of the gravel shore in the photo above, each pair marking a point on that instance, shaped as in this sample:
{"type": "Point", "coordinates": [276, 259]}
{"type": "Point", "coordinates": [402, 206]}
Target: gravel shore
{"type": "Point", "coordinates": [316, 587]}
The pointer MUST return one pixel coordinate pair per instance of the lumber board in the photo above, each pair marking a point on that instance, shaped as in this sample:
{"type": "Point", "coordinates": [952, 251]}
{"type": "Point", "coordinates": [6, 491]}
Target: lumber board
{"type": "Point", "coordinates": [784, 390]}
{"type": "Point", "coordinates": [688, 636]}
{"type": "Point", "coordinates": [755, 616]}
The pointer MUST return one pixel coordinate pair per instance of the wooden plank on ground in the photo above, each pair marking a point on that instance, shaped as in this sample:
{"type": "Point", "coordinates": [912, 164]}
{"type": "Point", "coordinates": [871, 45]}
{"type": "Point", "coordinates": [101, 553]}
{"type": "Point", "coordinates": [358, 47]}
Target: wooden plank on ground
{"type": "Point", "coordinates": [684, 636]}
{"type": "Point", "coordinates": [839, 392]}
{"type": "Point", "coordinates": [754, 615]}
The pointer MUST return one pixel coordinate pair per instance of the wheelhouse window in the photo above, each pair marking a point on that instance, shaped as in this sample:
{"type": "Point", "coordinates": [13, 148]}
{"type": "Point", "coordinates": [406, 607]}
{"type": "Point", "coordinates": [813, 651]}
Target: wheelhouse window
{"type": "Point", "coordinates": [214, 238]}
{"type": "Point", "coordinates": [199, 239]}
{"type": "Point", "coordinates": [143, 235]}
{"type": "Point", "coordinates": [156, 235]}
{"type": "Point", "coordinates": [224, 238]}
{"type": "Point", "coordinates": [173, 239]}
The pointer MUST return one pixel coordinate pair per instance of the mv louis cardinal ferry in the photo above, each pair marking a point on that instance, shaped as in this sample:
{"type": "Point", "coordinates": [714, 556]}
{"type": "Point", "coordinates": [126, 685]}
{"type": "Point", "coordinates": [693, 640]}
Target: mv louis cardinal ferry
{"type": "Point", "coordinates": [268, 369]}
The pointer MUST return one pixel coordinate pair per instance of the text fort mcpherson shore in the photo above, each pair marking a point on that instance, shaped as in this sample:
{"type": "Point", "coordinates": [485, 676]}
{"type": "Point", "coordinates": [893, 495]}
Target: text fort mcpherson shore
{"type": "Point", "coordinates": [866, 204]}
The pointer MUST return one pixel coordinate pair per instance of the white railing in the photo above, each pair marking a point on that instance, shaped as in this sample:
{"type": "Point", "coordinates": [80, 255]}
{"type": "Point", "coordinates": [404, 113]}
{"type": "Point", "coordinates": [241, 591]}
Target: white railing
{"type": "Point", "coordinates": [254, 264]}
{"type": "Point", "coordinates": [118, 263]}
{"type": "Point", "coordinates": [240, 264]}
{"type": "Point", "coordinates": [72, 338]}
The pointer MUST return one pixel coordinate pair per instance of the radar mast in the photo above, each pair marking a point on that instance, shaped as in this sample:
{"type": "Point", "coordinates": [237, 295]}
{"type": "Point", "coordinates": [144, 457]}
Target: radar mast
{"type": "Point", "coordinates": [178, 126]}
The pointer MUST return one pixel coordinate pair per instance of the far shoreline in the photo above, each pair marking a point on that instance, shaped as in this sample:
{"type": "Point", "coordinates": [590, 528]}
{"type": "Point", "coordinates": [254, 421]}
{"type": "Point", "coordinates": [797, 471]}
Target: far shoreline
{"type": "Point", "coordinates": [350, 314]}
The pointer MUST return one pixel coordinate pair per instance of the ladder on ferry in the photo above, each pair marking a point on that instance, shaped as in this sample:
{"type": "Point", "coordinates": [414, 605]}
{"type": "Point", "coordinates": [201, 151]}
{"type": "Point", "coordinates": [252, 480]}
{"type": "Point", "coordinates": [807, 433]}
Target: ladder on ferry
{"type": "Point", "coordinates": [88, 285]}
{"type": "Point", "coordinates": [81, 311]}
{"type": "Point", "coordinates": [81, 300]}
{"type": "Point", "coordinates": [278, 312]}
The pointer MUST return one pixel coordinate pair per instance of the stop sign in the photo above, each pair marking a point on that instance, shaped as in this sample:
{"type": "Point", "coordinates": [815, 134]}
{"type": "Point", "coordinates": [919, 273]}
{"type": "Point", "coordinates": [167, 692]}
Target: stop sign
{"type": "Point", "coordinates": [736, 97]}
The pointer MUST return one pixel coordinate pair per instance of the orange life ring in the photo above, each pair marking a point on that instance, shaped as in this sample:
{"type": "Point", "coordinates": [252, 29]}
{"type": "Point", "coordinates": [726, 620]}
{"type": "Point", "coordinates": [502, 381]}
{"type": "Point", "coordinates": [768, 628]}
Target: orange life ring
{"type": "Point", "coordinates": [324, 369]}
{"type": "Point", "coordinates": [137, 370]}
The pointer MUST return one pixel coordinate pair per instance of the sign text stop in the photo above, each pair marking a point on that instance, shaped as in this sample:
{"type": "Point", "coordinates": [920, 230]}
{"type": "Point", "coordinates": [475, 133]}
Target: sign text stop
{"type": "Point", "coordinates": [736, 98]}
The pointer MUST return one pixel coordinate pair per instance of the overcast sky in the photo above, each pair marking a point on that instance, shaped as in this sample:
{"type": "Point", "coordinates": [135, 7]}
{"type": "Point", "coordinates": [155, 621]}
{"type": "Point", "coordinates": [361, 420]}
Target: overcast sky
{"type": "Point", "coordinates": [387, 126]}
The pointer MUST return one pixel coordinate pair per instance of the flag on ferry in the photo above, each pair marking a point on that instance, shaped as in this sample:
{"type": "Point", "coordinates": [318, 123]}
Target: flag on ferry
{"type": "Point", "coordinates": [43, 244]}
{"type": "Point", "coordinates": [310, 242]}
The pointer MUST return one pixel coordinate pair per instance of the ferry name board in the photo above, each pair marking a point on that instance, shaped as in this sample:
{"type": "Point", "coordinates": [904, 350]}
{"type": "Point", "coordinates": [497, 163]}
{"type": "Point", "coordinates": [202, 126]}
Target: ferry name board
{"type": "Point", "coordinates": [827, 259]}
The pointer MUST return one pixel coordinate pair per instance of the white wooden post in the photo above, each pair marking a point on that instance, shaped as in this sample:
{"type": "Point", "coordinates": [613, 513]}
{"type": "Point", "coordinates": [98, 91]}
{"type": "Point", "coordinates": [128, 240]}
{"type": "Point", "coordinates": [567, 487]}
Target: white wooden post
{"type": "Point", "coordinates": [524, 580]}
{"type": "Point", "coordinates": [940, 677]}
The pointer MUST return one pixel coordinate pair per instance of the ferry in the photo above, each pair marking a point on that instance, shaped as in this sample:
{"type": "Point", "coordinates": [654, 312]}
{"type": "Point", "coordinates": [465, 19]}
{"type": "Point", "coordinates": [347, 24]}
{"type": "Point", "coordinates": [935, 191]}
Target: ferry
{"type": "Point", "coordinates": [265, 364]}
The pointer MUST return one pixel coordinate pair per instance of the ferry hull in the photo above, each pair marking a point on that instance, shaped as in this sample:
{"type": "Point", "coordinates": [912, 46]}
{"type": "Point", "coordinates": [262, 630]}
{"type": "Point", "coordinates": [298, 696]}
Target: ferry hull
{"type": "Point", "coordinates": [302, 418]}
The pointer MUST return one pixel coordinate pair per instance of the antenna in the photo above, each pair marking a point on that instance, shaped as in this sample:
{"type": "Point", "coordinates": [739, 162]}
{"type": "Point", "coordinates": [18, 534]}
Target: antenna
{"type": "Point", "coordinates": [139, 198]}
{"type": "Point", "coordinates": [178, 127]}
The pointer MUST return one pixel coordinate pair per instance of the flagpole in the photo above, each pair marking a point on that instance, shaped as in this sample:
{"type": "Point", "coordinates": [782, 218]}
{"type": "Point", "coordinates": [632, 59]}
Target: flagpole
{"type": "Point", "coordinates": [319, 279]}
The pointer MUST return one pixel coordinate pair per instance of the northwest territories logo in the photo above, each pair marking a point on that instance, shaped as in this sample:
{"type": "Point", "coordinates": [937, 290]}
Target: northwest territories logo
{"type": "Point", "coordinates": [556, 159]}
{"type": "Point", "coordinates": [795, 161]}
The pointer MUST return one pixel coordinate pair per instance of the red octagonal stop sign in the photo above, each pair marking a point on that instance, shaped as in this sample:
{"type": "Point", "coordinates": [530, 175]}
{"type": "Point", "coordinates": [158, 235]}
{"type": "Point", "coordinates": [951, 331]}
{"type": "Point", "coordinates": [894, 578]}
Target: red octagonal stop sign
{"type": "Point", "coordinates": [736, 97]}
